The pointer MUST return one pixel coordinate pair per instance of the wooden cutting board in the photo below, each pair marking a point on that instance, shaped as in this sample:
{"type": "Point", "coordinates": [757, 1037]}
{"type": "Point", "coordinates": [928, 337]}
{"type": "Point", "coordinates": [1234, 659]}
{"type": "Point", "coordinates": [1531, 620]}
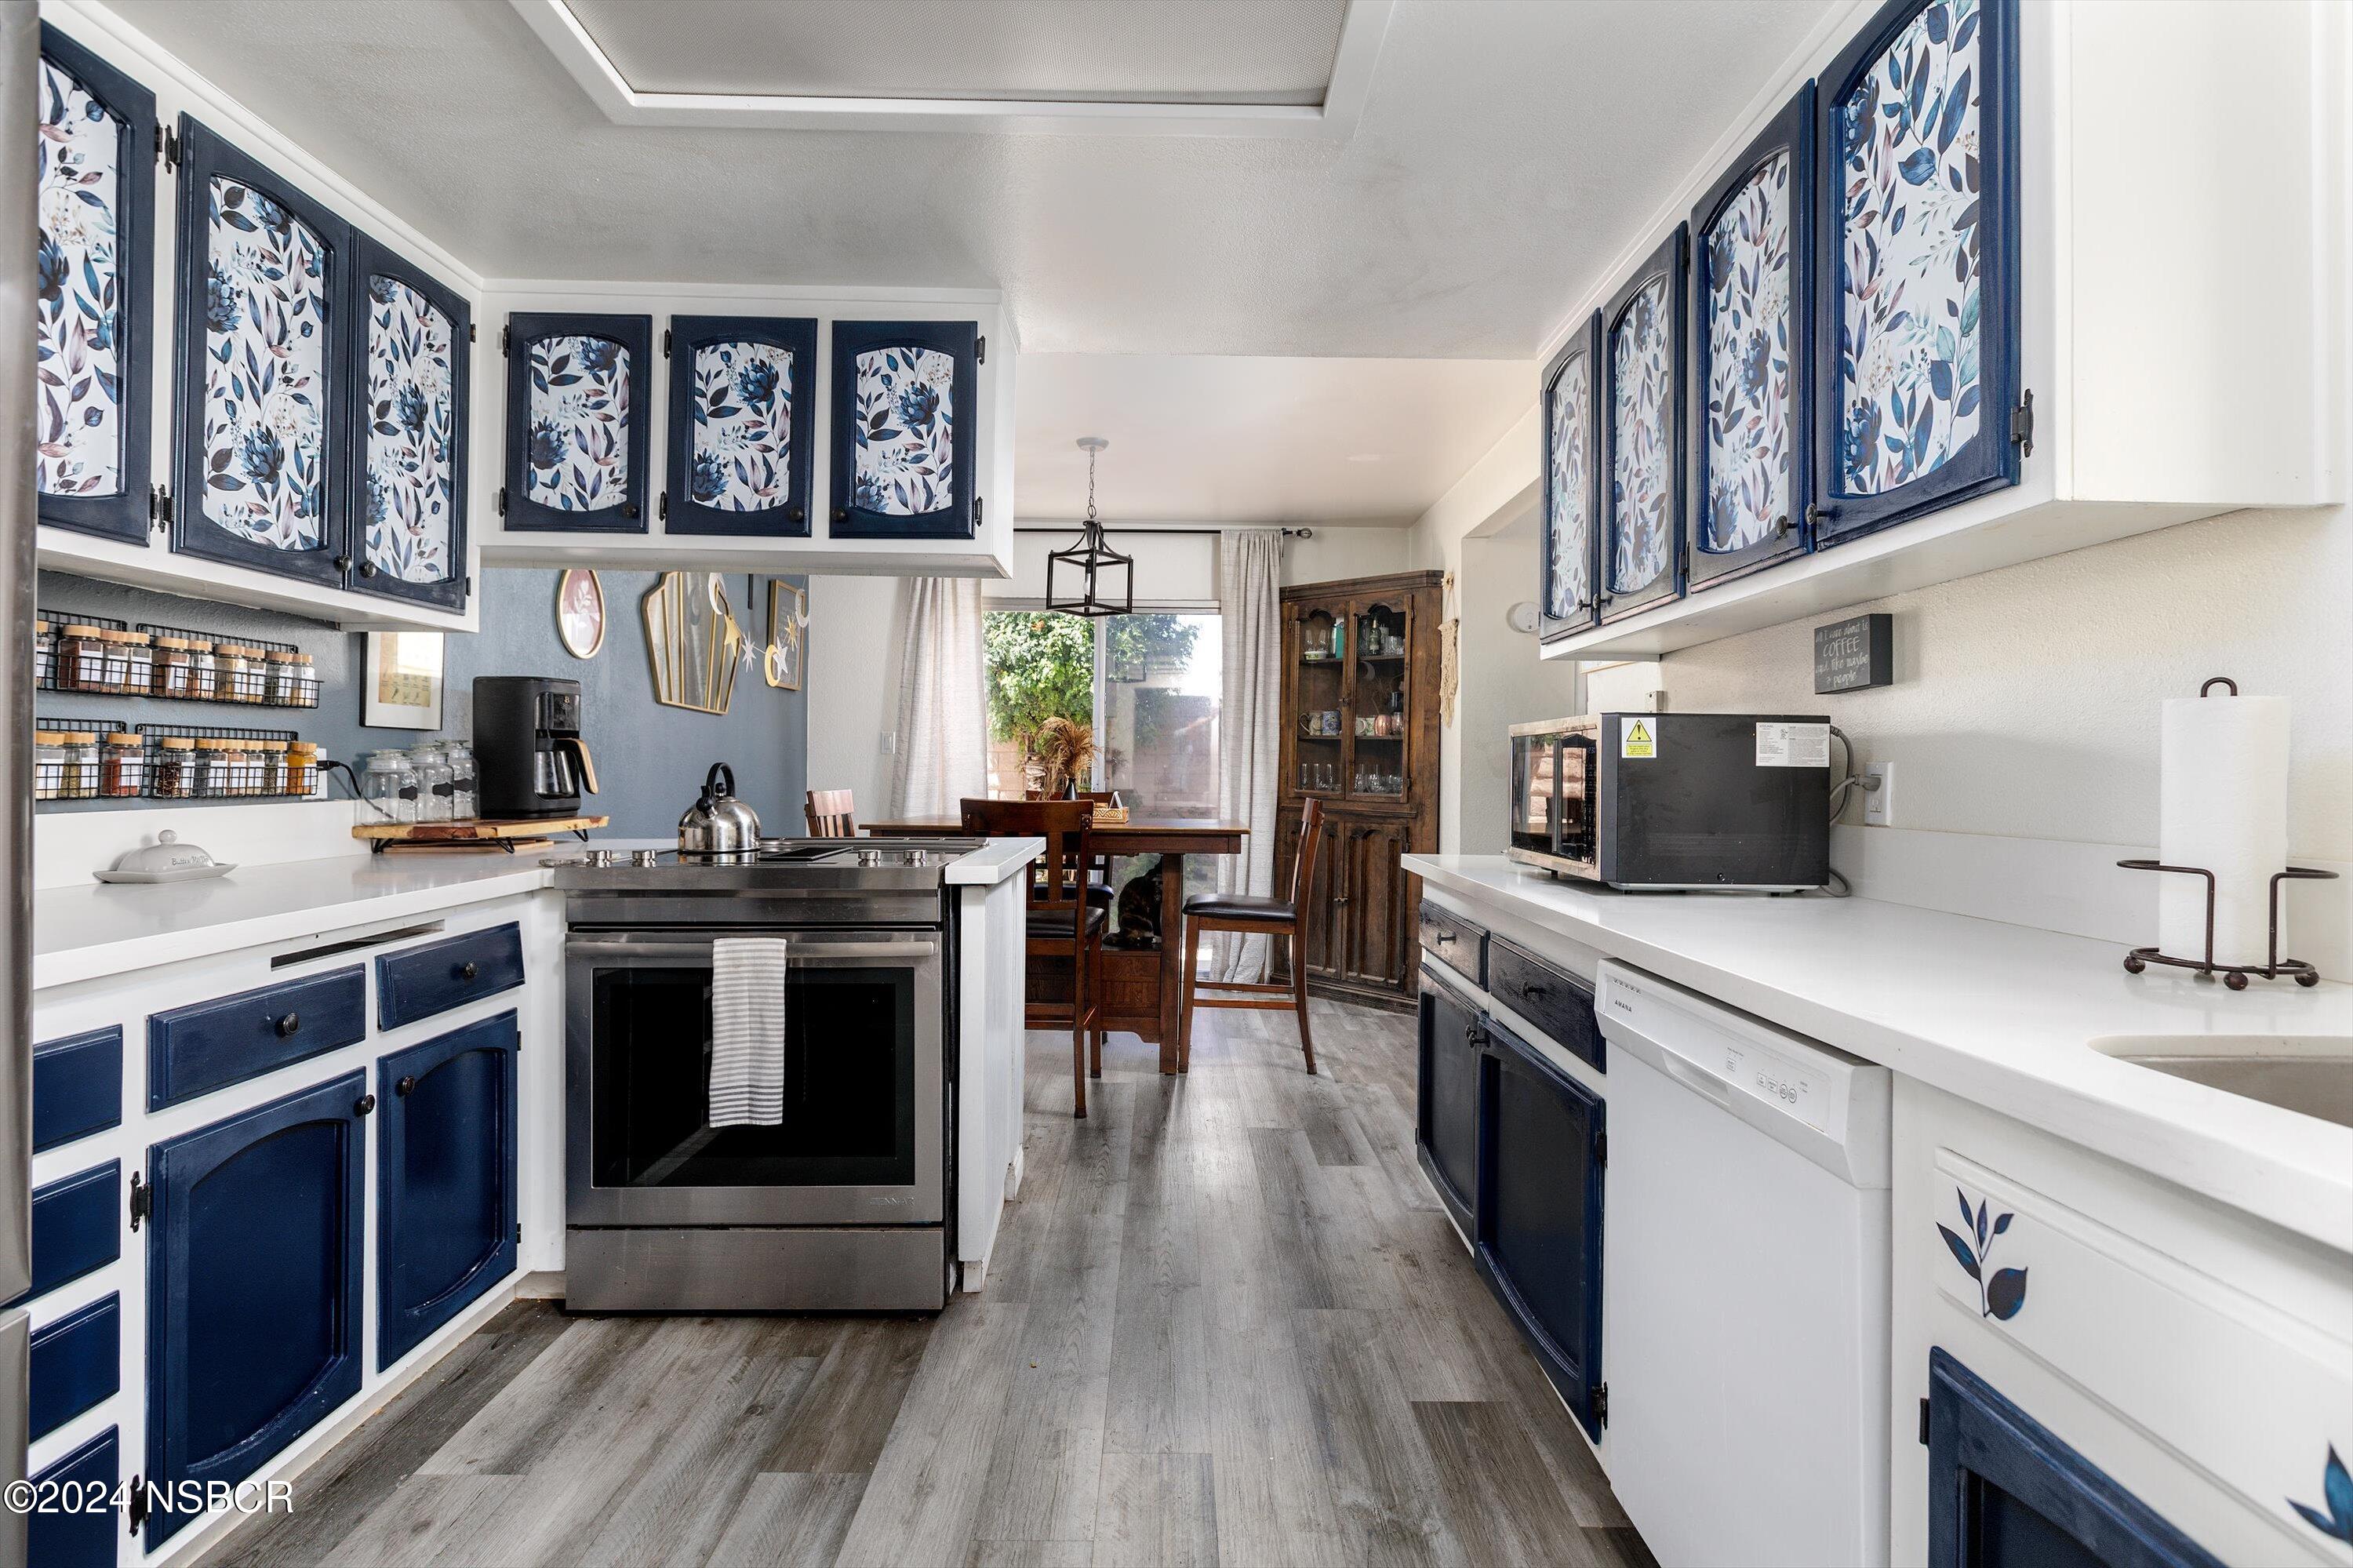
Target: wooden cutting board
{"type": "Point", "coordinates": [479, 829]}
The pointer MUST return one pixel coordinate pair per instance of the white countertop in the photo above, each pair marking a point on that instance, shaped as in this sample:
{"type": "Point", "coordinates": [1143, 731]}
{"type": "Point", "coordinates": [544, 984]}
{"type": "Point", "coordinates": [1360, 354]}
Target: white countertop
{"type": "Point", "coordinates": [2001, 1015]}
{"type": "Point", "coordinates": [95, 930]}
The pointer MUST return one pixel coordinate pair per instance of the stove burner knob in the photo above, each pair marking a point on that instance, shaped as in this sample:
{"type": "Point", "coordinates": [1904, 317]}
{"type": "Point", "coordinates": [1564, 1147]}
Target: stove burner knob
{"type": "Point", "coordinates": [644, 857]}
{"type": "Point", "coordinates": [600, 858]}
{"type": "Point", "coordinates": [870, 857]}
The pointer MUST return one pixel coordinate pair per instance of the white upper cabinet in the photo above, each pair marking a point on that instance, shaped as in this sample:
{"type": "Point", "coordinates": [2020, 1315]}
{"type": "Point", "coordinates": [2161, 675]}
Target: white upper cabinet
{"type": "Point", "coordinates": [2073, 275]}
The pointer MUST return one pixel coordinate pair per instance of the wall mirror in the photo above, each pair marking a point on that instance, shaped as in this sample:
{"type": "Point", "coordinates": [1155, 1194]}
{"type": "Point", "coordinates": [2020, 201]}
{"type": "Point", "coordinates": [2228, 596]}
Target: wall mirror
{"type": "Point", "coordinates": [693, 640]}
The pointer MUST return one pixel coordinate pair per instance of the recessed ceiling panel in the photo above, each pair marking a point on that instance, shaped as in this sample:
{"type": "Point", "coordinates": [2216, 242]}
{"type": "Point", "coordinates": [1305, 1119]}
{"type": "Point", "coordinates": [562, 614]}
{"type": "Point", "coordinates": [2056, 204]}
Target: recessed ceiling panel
{"type": "Point", "coordinates": [1107, 52]}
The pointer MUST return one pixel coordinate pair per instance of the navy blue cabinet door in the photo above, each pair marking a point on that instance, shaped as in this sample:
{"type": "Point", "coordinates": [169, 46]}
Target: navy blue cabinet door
{"type": "Point", "coordinates": [1572, 492]}
{"type": "Point", "coordinates": [2004, 1492]}
{"type": "Point", "coordinates": [1446, 1120]}
{"type": "Point", "coordinates": [254, 1260]}
{"type": "Point", "coordinates": [1539, 1214]}
{"type": "Point", "coordinates": [906, 430]}
{"type": "Point", "coordinates": [262, 369]}
{"type": "Point", "coordinates": [1917, 266]}
{"type": "Point", "coordinates": [94, 392]}
{"type": "Point", "coordinates": [580, 417]}
{"type": "Point", "coordinates": [410, 436]}
{"type": "Point", "coordinates": [743, 425]}
{"type": "Point", "coordinates": [1641, 416]}
{"type": "Point", "coordinates": [445, 1178]}
{"type": "Point", "coordinates": [85, 1537]}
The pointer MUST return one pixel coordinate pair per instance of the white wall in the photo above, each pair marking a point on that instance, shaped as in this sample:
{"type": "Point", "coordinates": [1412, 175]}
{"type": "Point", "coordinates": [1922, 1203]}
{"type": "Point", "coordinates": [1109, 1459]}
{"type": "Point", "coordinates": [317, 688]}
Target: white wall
{"type": "Point", "coordinates": [1335, 552]}
{"type": "Point", "coordinates": [852, 686]}
{"type": "Point", "coordinates": [1504, 683]}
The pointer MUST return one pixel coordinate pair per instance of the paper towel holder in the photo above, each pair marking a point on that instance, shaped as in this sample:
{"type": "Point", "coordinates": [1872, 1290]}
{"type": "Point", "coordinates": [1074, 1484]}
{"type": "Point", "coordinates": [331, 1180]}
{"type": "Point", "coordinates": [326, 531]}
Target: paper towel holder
{"type": "Point", "coordinates": [2234, 976]}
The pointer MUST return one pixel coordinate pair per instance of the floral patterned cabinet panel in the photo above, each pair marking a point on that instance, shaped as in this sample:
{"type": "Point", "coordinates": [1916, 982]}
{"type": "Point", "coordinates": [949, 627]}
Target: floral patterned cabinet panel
{"type": "Point", "coordinates": [1641, 418]}
{"type": "Point", "coordinates": [579, 399]}
{"type": "Point", "coordinates": [905, 429]}
{"type": "Point", "coordinates": [742, 402]}
{"type": "Point", "coordinates": [1572, 494]}
{"type": "Point", "coordinates": [261, 410]}
{"type": "Point", "coordinates": [1751, 367]}
{"type": "Point", "coordinates": [94, 400]}
{"type": "Point", "coordinates": [407, 500]}
{"type": "Point", "coordinates": [1918, 278]}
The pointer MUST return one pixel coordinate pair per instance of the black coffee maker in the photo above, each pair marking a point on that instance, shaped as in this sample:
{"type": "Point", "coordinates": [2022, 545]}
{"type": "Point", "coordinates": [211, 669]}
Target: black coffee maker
{"type": "Point", "coordinates": [528, 753]}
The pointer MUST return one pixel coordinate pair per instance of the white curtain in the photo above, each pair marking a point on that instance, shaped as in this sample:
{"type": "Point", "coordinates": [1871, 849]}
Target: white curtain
{"type": "Point", "coordinates": [1249, 740]}
{"type": "Point", "coordinates": [942, 699]}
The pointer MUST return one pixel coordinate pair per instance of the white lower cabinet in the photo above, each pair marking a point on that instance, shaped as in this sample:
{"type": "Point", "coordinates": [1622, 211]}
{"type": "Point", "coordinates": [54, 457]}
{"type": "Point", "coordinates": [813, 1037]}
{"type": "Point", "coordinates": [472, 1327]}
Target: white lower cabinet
{"type": "Point", "coordinates": [2092, 1365]}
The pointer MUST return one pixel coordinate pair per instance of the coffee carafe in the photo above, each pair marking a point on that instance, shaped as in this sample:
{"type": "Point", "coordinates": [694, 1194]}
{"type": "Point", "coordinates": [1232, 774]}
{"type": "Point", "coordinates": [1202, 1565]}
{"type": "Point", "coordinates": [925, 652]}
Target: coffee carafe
{"type": "Point", "coordinates": [528, 752]}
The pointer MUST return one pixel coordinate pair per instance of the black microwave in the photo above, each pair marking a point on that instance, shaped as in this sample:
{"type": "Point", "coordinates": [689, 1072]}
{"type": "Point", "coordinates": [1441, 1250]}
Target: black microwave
{"type": "Point", "coordinates": [1675, 802]}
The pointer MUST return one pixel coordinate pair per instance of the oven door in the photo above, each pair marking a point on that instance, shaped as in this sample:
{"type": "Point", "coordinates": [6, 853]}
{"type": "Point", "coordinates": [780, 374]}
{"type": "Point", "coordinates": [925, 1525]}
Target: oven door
{"type": "Point", "coordinates": [1535, 792]}
{"type": "Point", "coordinates": [862, 1135]}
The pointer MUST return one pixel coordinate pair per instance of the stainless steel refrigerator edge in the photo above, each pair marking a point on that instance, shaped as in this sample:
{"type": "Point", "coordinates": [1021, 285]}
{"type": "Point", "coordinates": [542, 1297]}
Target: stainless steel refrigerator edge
{"type": "Point", "coordinates": [20, 63]}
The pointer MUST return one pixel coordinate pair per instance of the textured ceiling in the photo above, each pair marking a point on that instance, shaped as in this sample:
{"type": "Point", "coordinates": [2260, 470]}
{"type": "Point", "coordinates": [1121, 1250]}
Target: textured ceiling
{"type": "Point", "coordinates": [1508, 148]}
{"type": "Point", "coordinates": [1219, 51]}
{"type": "Point", "coordinates": [1234, 439]}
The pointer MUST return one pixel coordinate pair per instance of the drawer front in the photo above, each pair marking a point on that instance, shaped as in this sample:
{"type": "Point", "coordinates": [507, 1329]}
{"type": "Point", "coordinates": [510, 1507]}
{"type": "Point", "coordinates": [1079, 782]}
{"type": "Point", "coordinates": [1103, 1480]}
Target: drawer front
{"type": "Point", "coordinates": [1553, 1000]}
{"type": "Point", "coordinates": [77, 1362]}
{"type": "Point", "coordinates": [76, 1087]}
{"type": "Point", "coordinates": [194, 1050]}
{"type": "Point", "coordinates": [84, 1536]}
{"type": "Point", "coordinates": [1455, 942]}
{"type": "Point", "coordinates": [77, 1226]}
{"type": "Point", "coordinates": [418, 982]}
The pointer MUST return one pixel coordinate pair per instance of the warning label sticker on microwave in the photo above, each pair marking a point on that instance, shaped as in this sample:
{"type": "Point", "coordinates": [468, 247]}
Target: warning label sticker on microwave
{"type": "Point", "coordinates": [1639, 740]}
{"type": "Point", "coordinates": [1780, 745]}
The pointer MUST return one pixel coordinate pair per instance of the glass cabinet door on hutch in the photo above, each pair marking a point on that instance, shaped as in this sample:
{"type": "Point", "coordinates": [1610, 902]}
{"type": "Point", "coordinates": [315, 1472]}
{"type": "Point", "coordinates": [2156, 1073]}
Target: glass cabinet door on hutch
{"type": "Point", "coordinates": [1320, 644]}
{"type": "Point", "coordinates": [1378, 696]}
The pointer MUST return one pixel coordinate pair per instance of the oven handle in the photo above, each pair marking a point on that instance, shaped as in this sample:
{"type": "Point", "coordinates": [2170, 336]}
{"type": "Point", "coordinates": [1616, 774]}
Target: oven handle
{"type": "Point", "coordinates": [796, 953]}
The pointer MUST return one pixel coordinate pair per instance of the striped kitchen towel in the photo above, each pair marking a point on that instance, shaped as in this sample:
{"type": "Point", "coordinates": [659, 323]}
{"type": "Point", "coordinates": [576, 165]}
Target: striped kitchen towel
{"type": "Point", "coordinates": [747, 1032]}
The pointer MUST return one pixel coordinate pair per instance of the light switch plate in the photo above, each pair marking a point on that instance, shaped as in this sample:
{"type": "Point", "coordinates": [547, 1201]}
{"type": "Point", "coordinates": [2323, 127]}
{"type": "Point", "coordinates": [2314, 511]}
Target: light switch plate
{"type": "Point", "coordinates": [1879, 805]}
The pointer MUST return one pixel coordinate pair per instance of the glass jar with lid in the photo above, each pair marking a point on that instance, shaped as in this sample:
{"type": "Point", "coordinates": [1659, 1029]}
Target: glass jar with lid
{"type": "Point", "coordinates": [272, 755]}
{"type": "Point", "coordinates": [173, 670]}
{"type": "Point", "coordinates": [388, 784]}
{"type": "Point", "coordinates": [203, 670]}
{"type": "Point", "coordinates": [233, 673]}
{"type": "Point", "coordinates": [48, 763]}
{"type": "Point", "coordinates": [171, 775]}
{"type": "Point", "coordinates": [130, 659]}
{"type": "Point", "coordinates": [122, 765]}
{"type": "Point", "coordinates": [301, 769]}
{"type": "Point", "coordinates": [303, 687]}
{"type": "Point", "coordinates": [82, 658]}
{"type": "Point", "coordinates": [78, 779]}
{"type": "Point", "coordinates": [465, 800]}
{"type": "Point", "coordinates": [216, 768]}
{"type": "Point", "coordinates": [435, 783]}
{"type": "Point", "coordinates": [44, 653]}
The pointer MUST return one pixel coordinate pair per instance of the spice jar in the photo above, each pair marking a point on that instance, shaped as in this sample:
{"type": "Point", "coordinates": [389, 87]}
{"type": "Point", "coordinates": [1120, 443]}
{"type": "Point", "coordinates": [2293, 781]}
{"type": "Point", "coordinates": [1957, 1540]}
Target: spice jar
{"type": "Point", "coordinates": [173, 670]}
{"type": "Point", "coordinates": [245, 767]}
{"type": "Point", "coordinates": [45, 653]}
{"type": "Point", "coordinates": [173, 775]}
{"type": "Point", "coordinates": [301, 769]}
{"type": "Point", "coordinates": [49, 763]}
{"type": "Point", "coordinates": [81, 659]}
{"type": "Point", "coordinates": [272, 753]}
{"type": "Point", "coordinates": [203, 670]}
{"type": "Point", "coordinates": [130, 659]}
{"type": "Point", "coordinates": [122, 765]}
{"type": "Point", "coordinates": [232, 672]}
{"type": "Point", "coordinates": [303, 692]}
{"type": "Point", "coordinates": [278, 682]}
{"type": "Point", "coordinates": [216, 769]}
{"type": "Point", "coordinates": [78, 779]}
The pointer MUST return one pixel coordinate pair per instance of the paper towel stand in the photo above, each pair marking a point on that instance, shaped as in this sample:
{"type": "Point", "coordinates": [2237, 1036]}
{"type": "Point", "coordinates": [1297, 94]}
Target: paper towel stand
{"type": "Point", "coordinates": [2235, 976]}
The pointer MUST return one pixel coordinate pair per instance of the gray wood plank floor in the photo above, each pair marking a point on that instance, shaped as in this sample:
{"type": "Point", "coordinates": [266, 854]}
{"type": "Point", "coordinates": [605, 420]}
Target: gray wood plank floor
{"type": "Point", "coordinates": [1226, 1323]}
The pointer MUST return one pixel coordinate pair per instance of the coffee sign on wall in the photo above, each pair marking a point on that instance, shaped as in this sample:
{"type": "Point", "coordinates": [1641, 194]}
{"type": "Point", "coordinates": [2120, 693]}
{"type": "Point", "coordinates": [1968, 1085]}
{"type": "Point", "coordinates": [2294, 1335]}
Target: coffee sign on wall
{"type": "Point", "coordinates": [1855, 653]}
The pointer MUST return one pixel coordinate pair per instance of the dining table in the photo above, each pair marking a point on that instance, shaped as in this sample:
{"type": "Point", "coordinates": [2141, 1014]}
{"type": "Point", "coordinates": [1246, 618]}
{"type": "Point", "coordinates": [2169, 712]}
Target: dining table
{"type": "Point", "coordinates": [1144, 988]}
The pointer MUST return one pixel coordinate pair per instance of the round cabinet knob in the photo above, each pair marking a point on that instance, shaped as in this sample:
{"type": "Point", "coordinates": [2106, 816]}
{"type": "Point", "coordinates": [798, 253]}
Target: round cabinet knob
{"type": "Point", "coordinates": [630, 510]}
{"type": "Point", "coordinates": [406, 1084]}
{"type": "Point", "coordinates": [841, 513]}
{"type": "Point", "coordinates": [287, 1024]}
{"type": "Point", "coordinates": [342, 563]}
{"type": "Point", "coordinates": [468, 969]}
{"type": "Point", "coordinates": [367, 568]}
{"type": "Point", "coordinates": [365, 1106]}
{"type": "Point", "coordinates": [797, 515]}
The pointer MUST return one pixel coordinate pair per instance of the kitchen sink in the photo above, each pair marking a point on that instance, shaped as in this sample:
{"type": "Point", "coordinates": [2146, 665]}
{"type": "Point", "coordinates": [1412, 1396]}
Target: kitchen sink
{"type": "Point", "coordinates": [2312, 1075]}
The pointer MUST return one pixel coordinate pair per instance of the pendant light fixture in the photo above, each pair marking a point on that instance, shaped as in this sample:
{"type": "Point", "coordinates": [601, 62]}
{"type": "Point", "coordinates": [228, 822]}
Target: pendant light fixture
{"type": "Point", "coordinates": [1092, 559]}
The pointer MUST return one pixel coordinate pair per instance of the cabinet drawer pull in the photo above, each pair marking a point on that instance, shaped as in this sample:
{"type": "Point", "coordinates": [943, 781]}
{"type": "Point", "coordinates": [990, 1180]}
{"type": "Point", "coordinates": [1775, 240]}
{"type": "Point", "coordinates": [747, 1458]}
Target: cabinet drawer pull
{"type": "Point", "coordinates": [468, 969]}
{"type": "Point", "coordinates": [1532, 990]}
{"type": "Point", "coordinates": [407, 1083]}
{"type": "Point", "coordinates": [287, 1024]}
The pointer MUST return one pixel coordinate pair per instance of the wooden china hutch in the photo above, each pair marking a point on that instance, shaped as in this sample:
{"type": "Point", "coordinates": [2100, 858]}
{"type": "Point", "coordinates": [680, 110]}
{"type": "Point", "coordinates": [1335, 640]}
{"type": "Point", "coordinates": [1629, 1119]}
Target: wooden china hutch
{"type": "Point", "coordinates": [1360, 662]}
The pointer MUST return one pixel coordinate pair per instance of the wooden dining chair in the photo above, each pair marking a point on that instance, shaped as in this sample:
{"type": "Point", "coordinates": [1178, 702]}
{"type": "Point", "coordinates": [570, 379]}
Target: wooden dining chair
{"type": "Point", "coordinates": [831, 813]}
{"type": "Point", "coordinates": [1063, 923]}
{"type": "Point", "coordinates": [1255, 914]}
{"type": "Point", "coordinates": [1099, 891]}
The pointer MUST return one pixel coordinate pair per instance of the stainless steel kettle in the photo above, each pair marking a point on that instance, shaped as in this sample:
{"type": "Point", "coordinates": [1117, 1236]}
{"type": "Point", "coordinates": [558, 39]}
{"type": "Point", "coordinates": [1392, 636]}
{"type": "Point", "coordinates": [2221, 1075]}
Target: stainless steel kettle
{"type": "Point", "coordinates": [719, 826]}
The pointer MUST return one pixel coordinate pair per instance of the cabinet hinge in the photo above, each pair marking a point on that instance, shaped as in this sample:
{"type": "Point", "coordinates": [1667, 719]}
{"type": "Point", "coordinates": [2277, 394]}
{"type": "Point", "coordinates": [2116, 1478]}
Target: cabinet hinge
{"type": "Point", "coordinates": [980, 350]}
{"type": "Point", "coordinates": [661, 507]}
{"type": "Point", "coordinates": [518, 1230]}
{"type": "Point", "coordinates": [135, 1515]}
{"type": "Point", "coordinates": [665, 343]}
{"type": "Point", "coordinates": [975, 514]}
{"type": "Point", "coordinates": [470, 331]}
{"type": "Point", "coordinates": [159, 507]}
{"type": "Point", "coordinates": [167, 147]}
{"type": "Point", "coordinates": [506, 340]}
{"type": "Point", "coordinates": [1601, 1150]}
{"type": "Point", "coordinates": [1924, 1423]}
{"type": "Point", "coordinates": [2022, 424]}
{"type": "Point", "coordinates": [1596, 1403]}
{"type": "Point", "coordinates": [502, 501]}
{"type": "Point", "coordinates": [142, 1200]}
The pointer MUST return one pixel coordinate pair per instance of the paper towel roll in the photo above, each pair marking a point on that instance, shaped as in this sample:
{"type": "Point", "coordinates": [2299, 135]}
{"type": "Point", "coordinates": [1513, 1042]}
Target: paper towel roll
{"type": "Point", "coordinates": [2221, 804]}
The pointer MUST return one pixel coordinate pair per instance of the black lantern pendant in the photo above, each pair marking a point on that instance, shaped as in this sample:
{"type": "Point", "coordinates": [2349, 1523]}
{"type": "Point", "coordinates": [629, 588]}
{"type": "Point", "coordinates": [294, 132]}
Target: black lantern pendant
{"type": "Point", "coordinates": [1092, 558]}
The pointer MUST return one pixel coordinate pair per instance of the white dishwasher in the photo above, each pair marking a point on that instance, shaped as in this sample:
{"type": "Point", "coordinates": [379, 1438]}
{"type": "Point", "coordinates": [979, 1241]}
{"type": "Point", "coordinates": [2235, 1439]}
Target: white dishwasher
{"type": "Point", "coordinates": [1745, 1286]}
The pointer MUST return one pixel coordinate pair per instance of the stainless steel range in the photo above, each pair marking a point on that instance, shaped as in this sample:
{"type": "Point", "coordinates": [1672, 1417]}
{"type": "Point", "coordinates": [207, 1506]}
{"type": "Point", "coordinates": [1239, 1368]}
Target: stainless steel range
{"type": "Point", "coordinates": [842, 1206]}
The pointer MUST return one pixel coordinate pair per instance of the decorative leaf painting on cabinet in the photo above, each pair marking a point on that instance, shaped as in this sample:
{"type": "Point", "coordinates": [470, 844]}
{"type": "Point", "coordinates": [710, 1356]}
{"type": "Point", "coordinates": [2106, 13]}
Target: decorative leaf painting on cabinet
{"type": "Point", "coordinates": [904, 395]}
{"type": "Point", "coordinates": [1571, 495]}
{"type": "Point", "coordinates": [742, 395]}
{"type": "Point", "coordinates": [95, 270]}
{"type": "Point", "coordinates": [1642, 348]}
{"type": "Point", "coordinates": [1751, 369]}
{"type": "Point", "coordinates": [409, 502]}
{"type": "Point", "coordinates": [1917, 121]}
{"type": "Point", "coordinates": [578, 448]}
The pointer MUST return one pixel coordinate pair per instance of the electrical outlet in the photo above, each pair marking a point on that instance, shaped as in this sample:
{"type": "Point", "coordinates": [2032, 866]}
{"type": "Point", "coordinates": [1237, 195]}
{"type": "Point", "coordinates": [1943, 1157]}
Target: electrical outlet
{"type": "Point", "coordinates": [1879, 803]}
{"type": "Point", "coordinates": [890, 743]}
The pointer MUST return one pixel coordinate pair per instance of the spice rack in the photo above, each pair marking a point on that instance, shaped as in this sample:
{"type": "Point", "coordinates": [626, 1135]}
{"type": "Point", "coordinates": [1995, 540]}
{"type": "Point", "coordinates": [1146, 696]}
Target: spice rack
{"type": "Point", "coordinates": [67, 757]}
{"type": "Point", "coordinates": [99, 655]}
{"type": "Point", "coordinates": [224, 762]}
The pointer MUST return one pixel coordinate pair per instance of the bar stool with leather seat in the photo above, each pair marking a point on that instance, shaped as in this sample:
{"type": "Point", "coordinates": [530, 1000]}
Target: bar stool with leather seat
{"type": "Point", "coordinates": [1063, 924]}
{"type": "Point", "coordinates": [1255, 914]}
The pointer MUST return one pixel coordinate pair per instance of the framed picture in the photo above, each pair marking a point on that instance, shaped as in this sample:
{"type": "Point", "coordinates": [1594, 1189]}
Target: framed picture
{"type": "Point", "coordinates": [580, 612]}
{"type": "Point", "coordinates": [788, 625]}
{"type": "Point", "coordinates": [402, 685]}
